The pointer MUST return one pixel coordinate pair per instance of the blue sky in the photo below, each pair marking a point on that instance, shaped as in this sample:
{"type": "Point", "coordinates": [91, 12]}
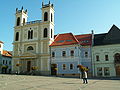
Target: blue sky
{"type": "Point", "coordinates": [76, 16]}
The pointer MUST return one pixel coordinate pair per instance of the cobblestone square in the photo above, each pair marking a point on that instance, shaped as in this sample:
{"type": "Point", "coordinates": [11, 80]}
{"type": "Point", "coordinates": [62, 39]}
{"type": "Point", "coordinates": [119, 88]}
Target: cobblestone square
{"type": "Point", "coordinates": [23, 82]}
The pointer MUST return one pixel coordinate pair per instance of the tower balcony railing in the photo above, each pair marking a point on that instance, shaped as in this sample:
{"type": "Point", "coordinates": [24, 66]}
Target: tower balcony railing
{"type": "Point", "coordinates": [33, 22]}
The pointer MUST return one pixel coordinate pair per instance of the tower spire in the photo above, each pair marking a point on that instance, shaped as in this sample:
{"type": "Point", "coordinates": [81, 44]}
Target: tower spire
{"type": "Point", "coordinates": [49, 1]}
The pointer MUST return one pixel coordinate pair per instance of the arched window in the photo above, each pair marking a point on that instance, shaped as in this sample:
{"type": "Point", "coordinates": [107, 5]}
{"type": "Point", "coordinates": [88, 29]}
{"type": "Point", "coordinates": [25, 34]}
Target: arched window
{"type": "Point", "coordinates": [51, 33]}
{"type": "Point", "coordinates": [23, 21]}
{"type": "Point", "coordinates": [45, 33]}
{"type": "Point", "coordinates": [45, 16]}
{"type": "Point", "coordinates": [31, 37]}
{"type": "Point", "coordinates": [53, 54]}
{"type": "Point", "coordinates": [29, 48]}
{"type": "Point", "coordinates": [117, 58]}
{"type": "Point", "coordinates": [28, 34]}
{"type": "Point", "coordinates": [51, 17]}
{"type": "Point", "coordinates": [17, 36]}
{"type": "Point", "coordinates": [18, 21]}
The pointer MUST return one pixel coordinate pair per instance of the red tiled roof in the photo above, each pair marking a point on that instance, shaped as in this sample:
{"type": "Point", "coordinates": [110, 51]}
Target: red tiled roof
{"type": "Point", "coordinates": [7, 53]}
{"type": "Point", "coordinates": [69, 39]}
{"type": "Point", "coordinates": [64, 39]}
{"type": "Point", "coordinates": [85, 39]}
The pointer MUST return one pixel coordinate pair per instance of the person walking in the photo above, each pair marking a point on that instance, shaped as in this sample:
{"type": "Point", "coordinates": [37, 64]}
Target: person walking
{"type": "Point", "coordinates": [84, 77]}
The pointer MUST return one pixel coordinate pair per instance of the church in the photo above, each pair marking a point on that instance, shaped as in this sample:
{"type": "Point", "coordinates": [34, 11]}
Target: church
{"type": "Point", "coordinates": [31, 42]}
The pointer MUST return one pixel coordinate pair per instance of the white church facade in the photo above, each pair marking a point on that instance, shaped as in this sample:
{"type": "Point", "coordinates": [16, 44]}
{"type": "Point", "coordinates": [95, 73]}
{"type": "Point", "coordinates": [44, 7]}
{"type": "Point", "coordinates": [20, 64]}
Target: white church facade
{"type": "Point", "coordinates": [32, 40]}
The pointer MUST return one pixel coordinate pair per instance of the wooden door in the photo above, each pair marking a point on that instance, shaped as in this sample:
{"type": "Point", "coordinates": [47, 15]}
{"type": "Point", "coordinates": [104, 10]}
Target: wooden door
{"type": "Point", "coordinates": [53, 69]}
{"type": "Point", "coordinates": [28, 66]}
{"type": "Point", "coordinates": [117, 70]}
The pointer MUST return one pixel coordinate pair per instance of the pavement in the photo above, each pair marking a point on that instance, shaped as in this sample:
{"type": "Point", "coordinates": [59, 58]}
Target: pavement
{"type": "Point", "coordinates": [24, 82]}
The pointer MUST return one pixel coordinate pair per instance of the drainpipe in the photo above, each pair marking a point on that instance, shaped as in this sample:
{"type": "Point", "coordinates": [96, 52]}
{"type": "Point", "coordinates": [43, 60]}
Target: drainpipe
{"type": "Point", "coordinates": [50, 59]}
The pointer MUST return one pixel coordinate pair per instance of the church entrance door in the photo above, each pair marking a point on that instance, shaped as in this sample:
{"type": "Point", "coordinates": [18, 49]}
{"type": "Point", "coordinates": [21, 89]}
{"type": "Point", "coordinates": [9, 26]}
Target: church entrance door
{"type": "Point", "coordinates": [28, 66]}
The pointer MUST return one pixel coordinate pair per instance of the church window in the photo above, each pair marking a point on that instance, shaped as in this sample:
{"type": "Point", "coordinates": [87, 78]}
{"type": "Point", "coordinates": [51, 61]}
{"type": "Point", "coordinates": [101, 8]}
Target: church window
{"type": "Point", "coordinates": [23, 21]}
{"type": "Point", "coordinates": [29, 48]}
{"type": "Point", "coordinates": [45, 33]}
{"type": "Point", "coordinates": [30, 34]}
{"type": "Point", "coordinates": [51, 17]}
{"type": "Point", "coordinates": [51, 33]}
{"type": "Point", "coordinates": [17, 36]}
{"type": "Point", "coordinates": [18, 21]}
{"type": "Point", "coordinates": [45, 16]}
{"type": "Point", "coordinates": [31, 37]}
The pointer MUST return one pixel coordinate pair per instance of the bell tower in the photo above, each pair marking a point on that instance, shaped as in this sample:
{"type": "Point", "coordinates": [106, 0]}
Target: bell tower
{"type": "Point", "coordinates": [48, 21]}
{"type": "Point", "coordinates": [21, 17]}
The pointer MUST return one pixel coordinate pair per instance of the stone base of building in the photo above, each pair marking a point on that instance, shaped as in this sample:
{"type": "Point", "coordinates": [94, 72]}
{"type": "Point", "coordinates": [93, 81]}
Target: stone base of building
{"type": "Point", "coordinates": [32, 73]}
{"type": "Point", "coordinates": [69, 75]}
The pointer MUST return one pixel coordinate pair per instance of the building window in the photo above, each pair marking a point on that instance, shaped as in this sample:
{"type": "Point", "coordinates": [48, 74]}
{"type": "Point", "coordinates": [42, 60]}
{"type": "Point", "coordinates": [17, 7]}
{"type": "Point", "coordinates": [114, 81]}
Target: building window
{"type": "Point", "coordinates": [45, 33]}
{"type": "Point", "coordinates": [3, 61]}
{"type": "Point", "coordinates": [17, 36]}
{"type": "Point", "coordinates": [71, 66]}
{"type": "Point", "coordinates": [117, 58]}
{"type": "Point", "coordinates": [72, 53]}
{"type": "Point", "coordinates": [30, 48]}
{"type": "Point", "coordinates": [106, 58]}
{"type": "Point", "coordinates": [63, 53]}
{"type": "Point", "coordinates": [51, 33]}
{"type": "Point", "coordinates": [64, 66]}
{"type": "Point", "coordinates": [9, 62]}
{"type": "Point", "coordinates": [51, 17]}
{"type": "Point", "coordinates": [30, 34]}
{"type": "Point", "coordinates": [18, 21]}
{"type": "Point", "coordinates": [53, 54]}
{"type": "Point", "coordinates": [106, 71]}
{"type": "Point", "coordinates": [31, 37]}
{"type": "Point", "coordinates": [99, 71]}
{"type": "Point", "coordinates": [6, 61]}
{"type": "Point", "coordinates": [97, 58]}
{"type": "Point", "coordinates": [86, 54]}
{"type": "Point", "coordinates": [45, 16]}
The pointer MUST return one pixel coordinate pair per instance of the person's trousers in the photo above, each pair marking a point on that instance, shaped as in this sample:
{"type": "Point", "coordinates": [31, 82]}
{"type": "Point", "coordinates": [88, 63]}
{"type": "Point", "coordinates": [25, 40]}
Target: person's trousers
{"type": "Point", "coordinates": [85, 80]}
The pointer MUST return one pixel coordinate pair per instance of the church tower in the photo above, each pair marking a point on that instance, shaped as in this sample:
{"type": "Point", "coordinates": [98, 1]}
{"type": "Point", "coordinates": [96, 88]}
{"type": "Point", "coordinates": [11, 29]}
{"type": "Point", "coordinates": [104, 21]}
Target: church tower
{"type": "Point", "coordinates": [21, 17]}
{"type": "Point", "coordinates": [32, 40]}
{"type": "Point", "coordinates": [48, 21]}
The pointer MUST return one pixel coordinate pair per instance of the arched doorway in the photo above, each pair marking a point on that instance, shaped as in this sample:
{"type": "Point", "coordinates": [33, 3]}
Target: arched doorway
{"type": "Point", "coordinates": [117, 63]}
{"type": "Point", "coordinates": [53, 69]}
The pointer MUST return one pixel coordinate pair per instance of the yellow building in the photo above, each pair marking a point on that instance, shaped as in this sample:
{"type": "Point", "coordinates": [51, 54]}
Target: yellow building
{"type": "Point", "coordinates": [32, 40]}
